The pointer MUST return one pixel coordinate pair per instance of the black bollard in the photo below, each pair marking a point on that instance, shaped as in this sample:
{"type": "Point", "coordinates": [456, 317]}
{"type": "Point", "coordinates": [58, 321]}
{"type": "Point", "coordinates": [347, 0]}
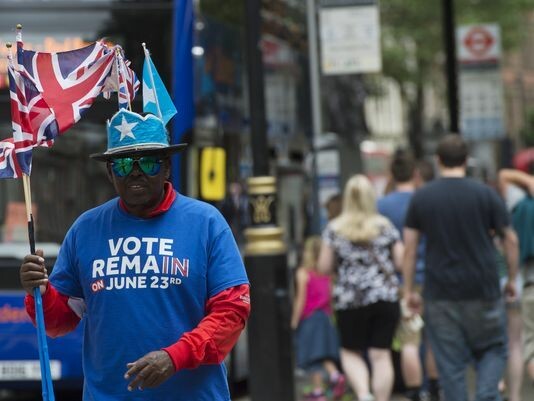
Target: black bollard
{"type": "Point", "coordinates": [269, 331]}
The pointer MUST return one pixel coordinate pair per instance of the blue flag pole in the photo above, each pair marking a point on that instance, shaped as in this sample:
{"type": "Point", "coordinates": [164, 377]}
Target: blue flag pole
{"type": "Point", "coordinates": [44, 360]}
{"type": "Point", "coordinates": [182, 85]}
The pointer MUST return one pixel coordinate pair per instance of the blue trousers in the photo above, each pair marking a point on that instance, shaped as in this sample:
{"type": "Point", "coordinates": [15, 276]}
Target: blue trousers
{"type": "Point", "coordinates": [465, 332]}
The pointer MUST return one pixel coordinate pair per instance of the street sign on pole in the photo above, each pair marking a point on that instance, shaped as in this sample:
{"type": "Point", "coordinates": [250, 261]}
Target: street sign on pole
{"type": "Point", "coordinates": [482, 108]}
{"type": "Point", "coordinates": [350, 37]}
{"type": "Point", "coordinates": [479, 44]}
{"type": "Point", "coordinates": [481, 89]}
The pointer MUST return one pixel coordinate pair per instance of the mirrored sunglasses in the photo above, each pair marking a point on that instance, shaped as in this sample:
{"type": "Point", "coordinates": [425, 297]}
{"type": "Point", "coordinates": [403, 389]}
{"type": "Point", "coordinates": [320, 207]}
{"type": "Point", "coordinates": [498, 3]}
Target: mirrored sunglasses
{"type": "Point", "coordinates": [150, 165]}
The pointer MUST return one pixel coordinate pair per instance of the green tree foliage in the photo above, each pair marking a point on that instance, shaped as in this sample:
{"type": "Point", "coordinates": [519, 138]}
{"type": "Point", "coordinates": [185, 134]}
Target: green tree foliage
{"type": "Point", "coordinates": [413, 44]}
{"type": "Point", "coordinates": [506, 13]}
{"type": "Point", "coordinates": [527, 133]}
{"type": "Point", "coordinates": [228, 11]}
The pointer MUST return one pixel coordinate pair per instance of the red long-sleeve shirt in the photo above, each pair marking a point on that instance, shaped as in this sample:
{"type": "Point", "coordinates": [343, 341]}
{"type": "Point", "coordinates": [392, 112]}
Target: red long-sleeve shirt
{"type": "Point", "coordinates": [208, 343]}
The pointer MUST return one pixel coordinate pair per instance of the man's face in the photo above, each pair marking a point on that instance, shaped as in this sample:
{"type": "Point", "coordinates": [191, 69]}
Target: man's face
{"type": "Point", "coordinates": [139, 190]}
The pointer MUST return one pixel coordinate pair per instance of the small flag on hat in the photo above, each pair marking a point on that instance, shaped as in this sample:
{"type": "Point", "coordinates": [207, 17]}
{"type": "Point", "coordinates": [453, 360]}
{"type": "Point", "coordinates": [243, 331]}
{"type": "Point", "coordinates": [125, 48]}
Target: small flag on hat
{"type": "Point", "coordinates": [156, 99]}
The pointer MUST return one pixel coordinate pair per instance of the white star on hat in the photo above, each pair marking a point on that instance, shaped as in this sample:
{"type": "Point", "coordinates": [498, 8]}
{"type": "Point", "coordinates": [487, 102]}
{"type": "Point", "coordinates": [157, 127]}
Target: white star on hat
{"type": "Point", "coordinates": [125, 129]}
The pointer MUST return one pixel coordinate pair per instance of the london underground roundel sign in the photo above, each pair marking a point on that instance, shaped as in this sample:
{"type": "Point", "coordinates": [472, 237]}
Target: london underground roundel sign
{"type": "Point", "coordinates": [478, 41]}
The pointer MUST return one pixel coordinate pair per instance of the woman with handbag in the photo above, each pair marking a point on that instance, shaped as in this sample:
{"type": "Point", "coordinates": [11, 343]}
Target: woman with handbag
{"type": "Point", "coordinates": [363, 248]}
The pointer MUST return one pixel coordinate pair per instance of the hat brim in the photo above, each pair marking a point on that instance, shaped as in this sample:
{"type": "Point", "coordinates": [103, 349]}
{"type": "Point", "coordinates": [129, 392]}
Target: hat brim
{"type": "Point", "coordinates": [164, 152]}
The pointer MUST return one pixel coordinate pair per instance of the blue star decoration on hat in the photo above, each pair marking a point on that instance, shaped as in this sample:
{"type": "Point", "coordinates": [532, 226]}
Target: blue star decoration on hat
{"type": "Point", "coordinates": [130, 133]}
{"type": "Point", "coordinates": [125, 129]}
{"type": "Point", "coordinates": [129, 130]}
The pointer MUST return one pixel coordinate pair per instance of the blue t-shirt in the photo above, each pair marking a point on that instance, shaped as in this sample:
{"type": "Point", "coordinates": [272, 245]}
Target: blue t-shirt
{"type": "Point", "coordinates": [144, 283]}
{"type": "Point", "coordinates": [394, 206]}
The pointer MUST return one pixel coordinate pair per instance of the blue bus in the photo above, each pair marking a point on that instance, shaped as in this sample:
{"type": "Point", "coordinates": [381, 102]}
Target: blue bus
{"type": "Point", "coordinates": [19, 353]}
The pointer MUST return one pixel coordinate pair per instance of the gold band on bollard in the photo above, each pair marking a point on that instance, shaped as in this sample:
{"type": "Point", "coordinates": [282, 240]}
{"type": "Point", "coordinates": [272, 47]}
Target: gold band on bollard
{"type": "Point", "coordinates": [264, 241]}
{"type": "Point", "coordinates": [261, 185]}
{"type": "Point", "coordinates": [263, 236]}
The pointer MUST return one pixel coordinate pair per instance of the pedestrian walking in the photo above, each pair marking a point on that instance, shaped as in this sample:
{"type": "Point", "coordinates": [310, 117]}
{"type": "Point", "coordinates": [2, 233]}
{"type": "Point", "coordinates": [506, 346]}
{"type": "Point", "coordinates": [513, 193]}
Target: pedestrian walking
{"type": "Point", "coordinates": [406, 176]}
{"type": "Point", "coordinates": [464, 312]}
{"type": "Point", "coordinates": [156, 276]}
{"type": "Point", "coordinates": [333, 206]}
{"type": "Point", "coordinates": [361, 248]}
{"type": "Point", "coordinates": [517, 188]}
{"type": "Point", "coordinates": [317, 344]}
{"type": "Point", "coordinates": [234, 208]}
{"type": "Point", "coordinates": [424, 172]}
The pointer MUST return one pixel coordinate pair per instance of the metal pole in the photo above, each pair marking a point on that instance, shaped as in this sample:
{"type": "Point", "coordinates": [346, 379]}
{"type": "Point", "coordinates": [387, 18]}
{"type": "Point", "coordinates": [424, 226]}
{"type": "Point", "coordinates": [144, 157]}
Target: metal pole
{"type": "Point", "coordinates": [258, 132]}
{"type": "Point", "coordinates": [316, 110]}
{"type": "Point", "coordinates": [269, 332]}
{"type": "Point", "coordinates": [313, 54]}
{"type": "Point", "coordinates": [451, 67]}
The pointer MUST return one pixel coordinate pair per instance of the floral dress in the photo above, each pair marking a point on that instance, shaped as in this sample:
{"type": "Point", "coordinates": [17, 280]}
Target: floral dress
{"type": "Point", "coordinates": [365, 272]}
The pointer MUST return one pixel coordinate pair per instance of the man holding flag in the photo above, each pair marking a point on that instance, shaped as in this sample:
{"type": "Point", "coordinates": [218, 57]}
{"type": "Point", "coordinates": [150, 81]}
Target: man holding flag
{"type": "Point", "coordinates": [156, 275]}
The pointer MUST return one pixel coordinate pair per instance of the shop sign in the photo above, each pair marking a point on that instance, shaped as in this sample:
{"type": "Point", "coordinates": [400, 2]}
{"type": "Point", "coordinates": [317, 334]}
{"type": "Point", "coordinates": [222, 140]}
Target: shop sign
{"type": "Point", "coordinates": [350, 37]}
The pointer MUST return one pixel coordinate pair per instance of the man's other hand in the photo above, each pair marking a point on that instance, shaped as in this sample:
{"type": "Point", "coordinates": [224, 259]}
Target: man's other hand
{"type": "Point", "coordinates": [149, 371]}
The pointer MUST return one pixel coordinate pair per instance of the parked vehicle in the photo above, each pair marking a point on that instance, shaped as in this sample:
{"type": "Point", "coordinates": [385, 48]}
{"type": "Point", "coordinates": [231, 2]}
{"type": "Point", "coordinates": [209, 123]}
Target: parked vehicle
{"type": "Point", "coordinates": [19, 353]}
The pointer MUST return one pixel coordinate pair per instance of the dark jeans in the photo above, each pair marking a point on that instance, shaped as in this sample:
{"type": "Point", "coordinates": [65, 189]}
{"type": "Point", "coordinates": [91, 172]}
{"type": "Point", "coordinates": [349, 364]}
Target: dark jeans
{"type": "Point", "coordinates": [465, 332]}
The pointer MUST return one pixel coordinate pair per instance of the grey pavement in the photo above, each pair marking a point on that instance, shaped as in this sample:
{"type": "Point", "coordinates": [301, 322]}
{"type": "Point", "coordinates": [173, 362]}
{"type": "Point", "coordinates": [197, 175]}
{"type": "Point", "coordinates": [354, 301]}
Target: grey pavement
{"type": "Point", "coordinates": [395, 397]}
{"type": "Point", "coordinates": [527, 394]}
{"type": "Point", "coordinates": [301, 383]}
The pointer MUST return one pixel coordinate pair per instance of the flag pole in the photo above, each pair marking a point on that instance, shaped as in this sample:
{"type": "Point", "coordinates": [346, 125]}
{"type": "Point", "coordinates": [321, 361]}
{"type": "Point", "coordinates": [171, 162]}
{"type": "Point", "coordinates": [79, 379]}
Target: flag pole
{"type": "Point", "coordinates": [44, 360]}
{"type": "Point", "coordinates": [18, 39]}
{"type": "Point", "coordinates": [149, 65]}
{"type": "Point", "coordinates": [120, 62]}
{"type": "Point", "coordinates": [46, 375]}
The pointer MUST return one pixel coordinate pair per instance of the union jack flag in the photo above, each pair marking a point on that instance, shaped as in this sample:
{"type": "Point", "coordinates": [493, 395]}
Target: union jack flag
{"type": "Point", "coordinates": [32, 121]}
{"type": "Point", "coordinates": [128, 83]}
{"type": "Point", "coordinates": [68, 81]}
{"type": "Point", "coordinates": [14, 162]}
{"type": "Point", "coordinates": [49, 92]}
{"type": "Point", "coordinates": [121, 80]}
